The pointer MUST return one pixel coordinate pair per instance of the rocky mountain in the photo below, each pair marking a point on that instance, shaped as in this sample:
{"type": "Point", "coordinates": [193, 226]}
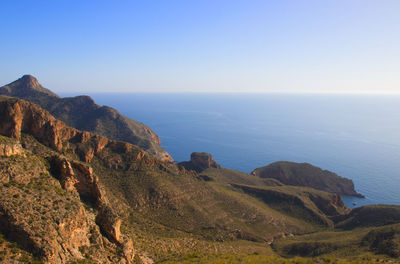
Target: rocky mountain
{"type": "Point", "coordinates": [28, 87]}
{"type": "Point", "coordinates": [72, 196]}
{"type": "Point", "coordinates": [83, 113]}
{"type": "Point", "coordinates": [305, 174]}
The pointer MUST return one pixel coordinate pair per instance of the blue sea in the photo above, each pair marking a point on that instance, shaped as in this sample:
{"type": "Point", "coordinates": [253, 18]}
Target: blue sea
{"type": "Point", "coordinates": [355, 136]}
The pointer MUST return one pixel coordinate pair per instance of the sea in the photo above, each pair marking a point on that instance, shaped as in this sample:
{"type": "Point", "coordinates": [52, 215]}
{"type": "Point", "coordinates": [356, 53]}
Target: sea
{"type": "Point", "coordinates": [355, 136]}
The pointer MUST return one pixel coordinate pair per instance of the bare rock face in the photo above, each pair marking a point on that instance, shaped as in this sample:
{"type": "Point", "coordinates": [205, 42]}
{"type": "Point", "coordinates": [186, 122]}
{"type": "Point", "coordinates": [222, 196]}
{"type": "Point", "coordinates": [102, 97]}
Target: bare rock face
{"type": "Point", "coordinates": [20, 116]}
{"type": "Point", "coordinates": [79, 178]}
{"type": "Point", "coordinates": [11, 149]}
{"type": "Point", "coordinates": [200, 161]}
{"type": "Point", "coordinates": [110, 223]}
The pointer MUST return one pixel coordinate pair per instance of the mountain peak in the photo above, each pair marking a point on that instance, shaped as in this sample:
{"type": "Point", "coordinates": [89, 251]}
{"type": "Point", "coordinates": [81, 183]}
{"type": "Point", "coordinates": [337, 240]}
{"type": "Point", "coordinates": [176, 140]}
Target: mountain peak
{"type": "Point", "coordinates": [26, 86]}
{"type": "Point", "coordinates": [29, 80]}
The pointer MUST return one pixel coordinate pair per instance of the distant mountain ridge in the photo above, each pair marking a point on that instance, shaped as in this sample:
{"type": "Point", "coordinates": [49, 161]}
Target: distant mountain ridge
{"type": "Point", "coordinates": [83, 113]}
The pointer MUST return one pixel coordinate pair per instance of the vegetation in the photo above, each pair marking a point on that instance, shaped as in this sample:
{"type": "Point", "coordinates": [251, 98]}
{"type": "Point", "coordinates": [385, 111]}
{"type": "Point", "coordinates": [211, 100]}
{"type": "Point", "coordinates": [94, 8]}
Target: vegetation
{"type": "Point", "coordinates": [371, 215]}
{"type": "Point", "coordinates": [174, 215]}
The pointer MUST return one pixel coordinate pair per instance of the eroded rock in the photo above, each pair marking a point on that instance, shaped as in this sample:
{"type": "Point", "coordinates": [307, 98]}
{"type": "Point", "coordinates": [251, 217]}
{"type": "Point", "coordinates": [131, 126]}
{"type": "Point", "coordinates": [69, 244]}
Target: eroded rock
{"type": "Point", "coordinates": [200, 161]}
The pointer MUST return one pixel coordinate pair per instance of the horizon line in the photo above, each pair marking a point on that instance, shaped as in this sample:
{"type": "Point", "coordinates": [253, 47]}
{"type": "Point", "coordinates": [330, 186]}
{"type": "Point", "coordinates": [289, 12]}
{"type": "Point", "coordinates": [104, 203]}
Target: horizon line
{"type": "Point", "coordinates": [240, 92]}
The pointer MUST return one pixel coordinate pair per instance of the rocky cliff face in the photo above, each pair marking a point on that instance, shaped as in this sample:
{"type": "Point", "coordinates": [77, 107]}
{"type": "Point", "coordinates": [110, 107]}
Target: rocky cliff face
{"type": "Point", "coordinates": [200, 161]}
{"type": "Point", "coordinates": [83, 113]}
{"type": "Point", "coordinates": [304, 174]}
{"type": "Point", "coordinates": [47, 218]}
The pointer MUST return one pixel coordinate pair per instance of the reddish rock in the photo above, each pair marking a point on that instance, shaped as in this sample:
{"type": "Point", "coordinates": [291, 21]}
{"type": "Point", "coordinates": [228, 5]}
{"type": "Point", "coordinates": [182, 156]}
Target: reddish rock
{"type": "Point", "coordinates": [200, 161]}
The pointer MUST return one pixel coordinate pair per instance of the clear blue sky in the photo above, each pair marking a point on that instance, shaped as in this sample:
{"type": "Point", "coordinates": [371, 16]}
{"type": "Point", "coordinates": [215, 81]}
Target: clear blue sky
{"type": "Point", "coordinates": [203, 45]}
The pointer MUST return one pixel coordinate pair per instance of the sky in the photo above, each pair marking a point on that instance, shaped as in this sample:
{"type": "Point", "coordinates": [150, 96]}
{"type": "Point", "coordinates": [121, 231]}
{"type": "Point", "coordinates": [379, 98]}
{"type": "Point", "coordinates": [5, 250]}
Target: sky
{"type": "Point", "coordinates": [261, 46]}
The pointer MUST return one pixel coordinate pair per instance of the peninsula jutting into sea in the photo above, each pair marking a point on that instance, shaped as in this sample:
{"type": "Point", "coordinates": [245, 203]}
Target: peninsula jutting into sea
{"type": "Point", "coordinates": [81, 183]}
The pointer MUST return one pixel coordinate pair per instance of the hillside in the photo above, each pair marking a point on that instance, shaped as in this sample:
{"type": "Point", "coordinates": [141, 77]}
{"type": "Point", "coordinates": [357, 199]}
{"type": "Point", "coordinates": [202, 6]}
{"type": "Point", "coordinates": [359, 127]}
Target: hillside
{"type": "Point", "coordinates": [304, 174]}
{"type": "Point", "coordinates": [70, 196]}
{"type": "Point", "coordinates": [155, 200]}
{"type": "Point", "coordinates": [383, 240]}
{"type": "Point", "coordinates": [369, 216]}
{"type": "Point", "coordinates": [83, 113]}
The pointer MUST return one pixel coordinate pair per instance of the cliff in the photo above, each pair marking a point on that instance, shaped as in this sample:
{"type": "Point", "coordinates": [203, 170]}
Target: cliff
{"type": "Point", "coordinates": [83, 113]}
{"type": "Point", "coordinates": [304, 174]}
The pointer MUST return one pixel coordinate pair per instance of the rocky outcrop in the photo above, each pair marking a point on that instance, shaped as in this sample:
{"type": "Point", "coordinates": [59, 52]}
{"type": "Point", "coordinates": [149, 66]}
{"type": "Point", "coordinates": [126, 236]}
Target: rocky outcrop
{"type": "Point", "coordinates": [304, 174]}
{"type": "Point", "coordinates": [200, 161]}
{"type": "Point", "coordinates": [83, 113]}
{"type": "Point", "coordinates": [19, 116]}
{"type": "Point", "coordinates": [109, 222]}
{"type": "Point", "coordinates": [79, 178]}
{"type": "Point", "coordinates": [11, 149]}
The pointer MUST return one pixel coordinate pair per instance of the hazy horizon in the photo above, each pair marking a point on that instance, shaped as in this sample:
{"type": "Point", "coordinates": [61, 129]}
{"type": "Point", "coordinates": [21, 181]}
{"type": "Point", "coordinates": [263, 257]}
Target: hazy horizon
{"type": "Point", "coordinates": [313, 47]}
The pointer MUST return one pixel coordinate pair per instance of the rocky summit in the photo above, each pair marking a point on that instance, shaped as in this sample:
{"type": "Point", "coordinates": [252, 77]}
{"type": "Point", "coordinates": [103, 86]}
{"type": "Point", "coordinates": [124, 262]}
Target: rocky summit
{"type": "Point", "coordinates": [73, 196]}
